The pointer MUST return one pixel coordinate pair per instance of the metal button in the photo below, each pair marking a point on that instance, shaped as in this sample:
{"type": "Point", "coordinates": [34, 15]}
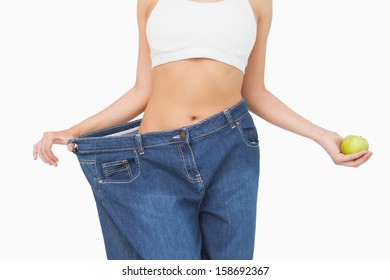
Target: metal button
{"type": "Point", "coordinates": [182, 134]}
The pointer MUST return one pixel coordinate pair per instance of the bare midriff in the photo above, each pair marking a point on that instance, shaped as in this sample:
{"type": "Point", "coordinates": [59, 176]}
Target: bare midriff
{"type": "Point", "coordinates": [187, 91]}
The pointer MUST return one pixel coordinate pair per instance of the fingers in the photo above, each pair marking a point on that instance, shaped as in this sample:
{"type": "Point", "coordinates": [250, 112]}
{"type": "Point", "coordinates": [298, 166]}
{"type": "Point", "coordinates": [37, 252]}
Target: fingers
{"type": "Point", "coordinates": [46, 149]}
{"type": "Point", "coordinates": [355, 160]}
{"type": "Point", "coordinates": [71, 147]}
{"type": "Point", "coordinates": [35, 150]}
{"type": "Point", "coordinates": [361, 160]}
{"type": "Point", "coordinates": [43, 150]}
{"type": "Point", "coordinates": [354, 156]}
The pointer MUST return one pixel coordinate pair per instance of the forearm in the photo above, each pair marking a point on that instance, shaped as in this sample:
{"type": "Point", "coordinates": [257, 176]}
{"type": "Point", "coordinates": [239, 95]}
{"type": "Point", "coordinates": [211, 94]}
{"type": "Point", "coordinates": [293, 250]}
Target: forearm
{"type": "Point", "coordinates": [125, 108]}
{"type": "Point", "coordinates": [267, 106]}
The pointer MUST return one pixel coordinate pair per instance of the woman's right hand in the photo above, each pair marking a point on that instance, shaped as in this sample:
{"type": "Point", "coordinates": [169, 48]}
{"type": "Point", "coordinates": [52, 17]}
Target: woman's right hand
{"type": "Point", "coordinates": [43, 148]}
{"type": "Point", "coordinates": [331, 142]}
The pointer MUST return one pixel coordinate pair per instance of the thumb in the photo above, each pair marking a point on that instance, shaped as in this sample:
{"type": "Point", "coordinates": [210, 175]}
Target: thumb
{"type": "Point", "coordinates": [71, 147]}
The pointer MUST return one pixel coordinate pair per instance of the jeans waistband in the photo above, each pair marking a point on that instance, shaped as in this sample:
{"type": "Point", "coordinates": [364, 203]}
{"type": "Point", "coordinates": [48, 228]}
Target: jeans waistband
{"type": "Point", "coordinates": [126, 137]}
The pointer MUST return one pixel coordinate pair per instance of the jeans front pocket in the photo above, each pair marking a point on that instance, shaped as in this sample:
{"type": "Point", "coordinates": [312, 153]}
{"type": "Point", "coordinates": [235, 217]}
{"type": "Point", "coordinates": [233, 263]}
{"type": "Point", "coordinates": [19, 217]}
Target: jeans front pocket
{"type": "Point", "coordinates": [248, 131]}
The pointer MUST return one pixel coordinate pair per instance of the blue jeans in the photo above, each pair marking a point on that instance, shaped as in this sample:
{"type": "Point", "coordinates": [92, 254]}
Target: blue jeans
{"type": "Point", "coordinates": [185, 193]}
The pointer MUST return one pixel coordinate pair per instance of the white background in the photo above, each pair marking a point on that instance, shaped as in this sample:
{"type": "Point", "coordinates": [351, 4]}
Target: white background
{"type": "Point", "coordinates": [62, 61]}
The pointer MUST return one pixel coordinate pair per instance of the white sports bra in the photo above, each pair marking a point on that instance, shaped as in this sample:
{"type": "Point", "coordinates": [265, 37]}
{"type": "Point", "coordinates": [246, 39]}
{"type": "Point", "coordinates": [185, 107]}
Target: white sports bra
{"type": "Point", "coordinates": [223, 31]}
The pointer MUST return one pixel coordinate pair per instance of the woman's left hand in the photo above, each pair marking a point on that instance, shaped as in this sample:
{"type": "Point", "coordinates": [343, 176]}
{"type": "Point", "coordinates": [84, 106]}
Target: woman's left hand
{"type": "Point", "coordinates": [331, 142]}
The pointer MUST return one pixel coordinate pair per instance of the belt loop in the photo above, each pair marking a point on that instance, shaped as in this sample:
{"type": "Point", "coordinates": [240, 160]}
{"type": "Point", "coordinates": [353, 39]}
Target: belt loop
{"type": "Point", "coordinates": [229, 118]}
{"type": "Point", "coordinates": [187, 135]}
{"type": "Point", "coordinates": [138, 140]}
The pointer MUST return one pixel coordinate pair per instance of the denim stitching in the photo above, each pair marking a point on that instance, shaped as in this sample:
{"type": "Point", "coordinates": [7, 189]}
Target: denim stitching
{"type": "Point", "coordinates": [182, 161]}
{"type": "Point", "coordinates": [86, 161]}
{"type": "Point", "coordinates": [129, 169]}
{"type": "Point", "coordinates": [108, 181]}
{"type": "Point", "coordinates": [218, 129]}
{"type": "Point", "coordinates": [184, 166]}
{"type": "Point", "coordinates": [246, 140]}
{"type": "Point", "coordinates": [106, 150]}
{"type": "Point", "coordinates": [199, 178]}
{"type": "Point", "coordinates": [109, 173]}
{"type": "Point", "coordinates": [99, 186]}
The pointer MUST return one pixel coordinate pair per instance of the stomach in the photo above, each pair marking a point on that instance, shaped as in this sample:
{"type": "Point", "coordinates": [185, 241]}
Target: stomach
{"type": "Point", "coordinates": [187, 91]}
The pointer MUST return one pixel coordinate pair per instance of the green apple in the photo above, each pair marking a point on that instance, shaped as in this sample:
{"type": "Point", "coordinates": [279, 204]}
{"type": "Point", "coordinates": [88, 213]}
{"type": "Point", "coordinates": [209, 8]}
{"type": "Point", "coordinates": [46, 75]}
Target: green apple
{"type": "Point", "coordinates": [353, 144]}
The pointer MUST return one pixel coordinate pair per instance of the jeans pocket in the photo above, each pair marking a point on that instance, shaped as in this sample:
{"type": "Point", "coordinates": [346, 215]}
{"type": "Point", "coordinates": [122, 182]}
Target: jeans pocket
{"type": "Point", "coordinates": [118, 167]}
{"type": "Point", "coordinates": [248, 131]}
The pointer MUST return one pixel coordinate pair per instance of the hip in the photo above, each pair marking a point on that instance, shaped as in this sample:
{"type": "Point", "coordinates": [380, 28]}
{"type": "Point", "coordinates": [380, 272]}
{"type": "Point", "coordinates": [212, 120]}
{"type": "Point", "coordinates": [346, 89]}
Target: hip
{"type": "Point", "coordinates": [120, 155]}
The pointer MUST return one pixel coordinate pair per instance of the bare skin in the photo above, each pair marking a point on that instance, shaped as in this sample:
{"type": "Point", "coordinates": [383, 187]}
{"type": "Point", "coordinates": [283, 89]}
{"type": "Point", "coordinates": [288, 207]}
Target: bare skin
{"type": "Point", "coordinates": [181, 97]}
{"type": "Point", "coordinates": [184, 92]}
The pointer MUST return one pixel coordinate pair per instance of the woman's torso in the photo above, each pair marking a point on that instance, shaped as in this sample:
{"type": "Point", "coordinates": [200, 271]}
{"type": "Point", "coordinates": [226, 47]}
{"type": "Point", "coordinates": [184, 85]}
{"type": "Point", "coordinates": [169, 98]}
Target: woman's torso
{"type": "Point", "coordinates": [187, 91]}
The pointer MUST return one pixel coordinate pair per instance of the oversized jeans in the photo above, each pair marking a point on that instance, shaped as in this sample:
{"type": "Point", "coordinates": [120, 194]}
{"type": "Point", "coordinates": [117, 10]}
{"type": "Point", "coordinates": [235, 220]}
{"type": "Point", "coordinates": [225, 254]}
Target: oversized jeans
{"type": "Point", "coordinates": [186, 193]}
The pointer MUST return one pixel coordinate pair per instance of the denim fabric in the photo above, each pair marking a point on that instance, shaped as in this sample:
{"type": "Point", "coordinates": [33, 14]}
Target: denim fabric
{"type": "Point", "coordinates": [185, 193]}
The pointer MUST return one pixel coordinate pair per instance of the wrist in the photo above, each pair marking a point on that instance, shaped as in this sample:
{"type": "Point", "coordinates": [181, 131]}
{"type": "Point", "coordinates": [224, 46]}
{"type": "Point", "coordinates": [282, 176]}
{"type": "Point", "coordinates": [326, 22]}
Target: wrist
{"type": "Point", "coordinates": [73, 131]}
{"type": "Point", "coordinates": [320, 135]}
{"type": "Point", "coordinates": [327, 139]}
